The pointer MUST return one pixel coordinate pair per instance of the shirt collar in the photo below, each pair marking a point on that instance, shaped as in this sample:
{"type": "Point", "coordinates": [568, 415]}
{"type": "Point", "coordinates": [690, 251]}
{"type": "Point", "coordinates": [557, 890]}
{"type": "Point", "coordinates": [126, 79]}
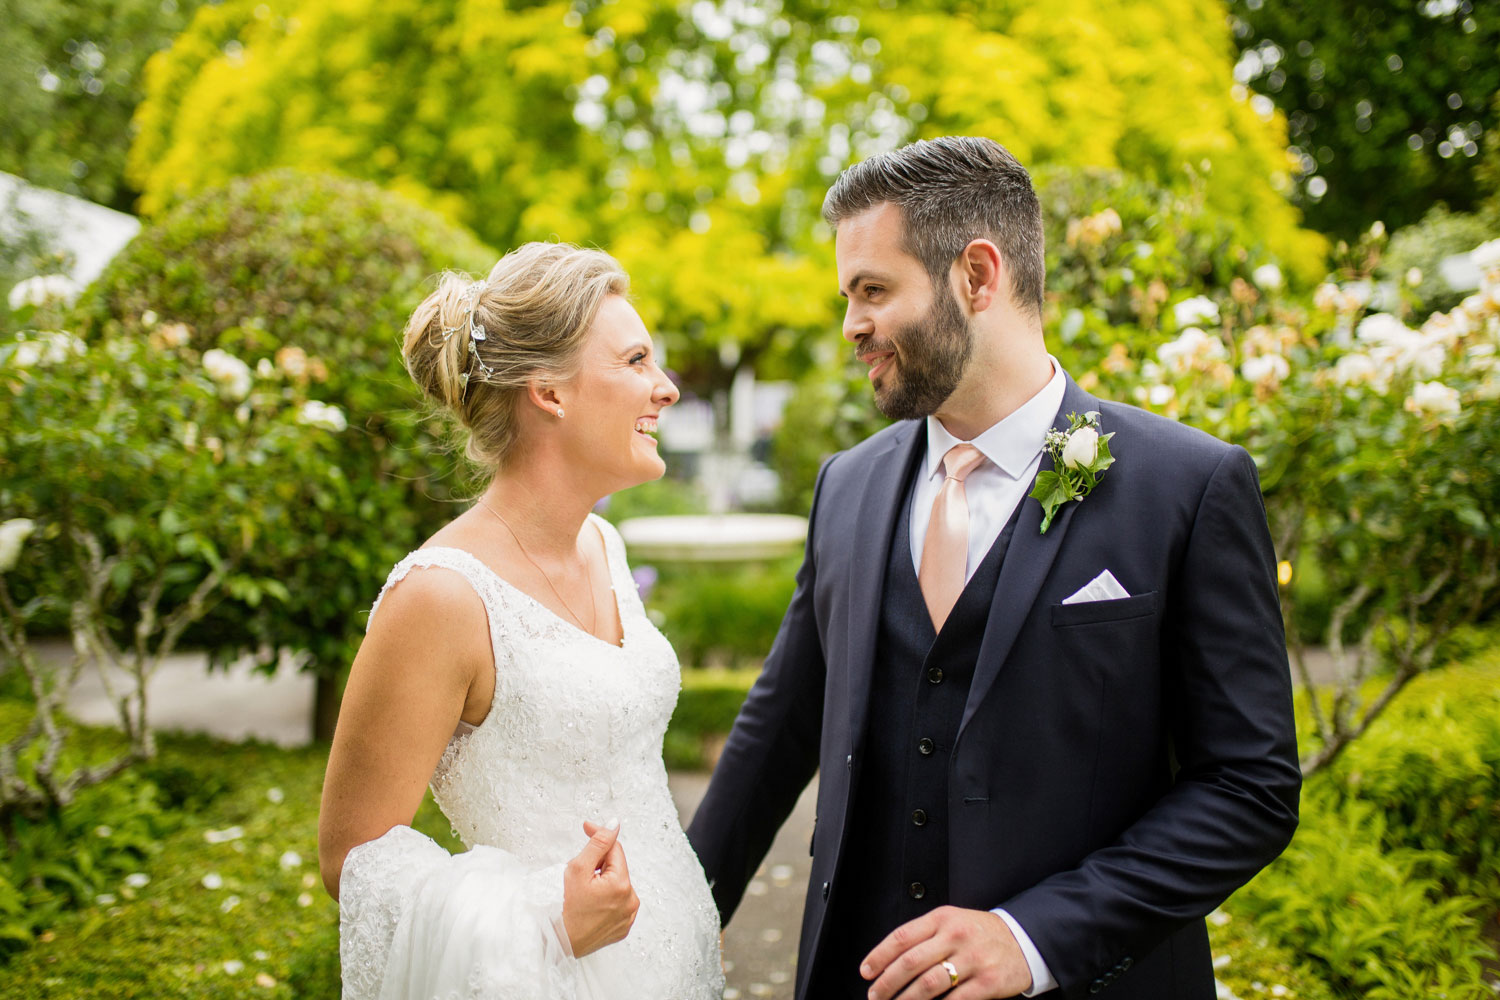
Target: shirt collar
{"type": "Point", "coordinates": [1012, 443]}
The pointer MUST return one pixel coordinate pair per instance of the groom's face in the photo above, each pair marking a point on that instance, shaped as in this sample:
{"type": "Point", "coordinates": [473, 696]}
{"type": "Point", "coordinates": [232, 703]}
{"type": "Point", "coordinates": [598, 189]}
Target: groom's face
{"type": "Point", "coordinates": [907, 328]}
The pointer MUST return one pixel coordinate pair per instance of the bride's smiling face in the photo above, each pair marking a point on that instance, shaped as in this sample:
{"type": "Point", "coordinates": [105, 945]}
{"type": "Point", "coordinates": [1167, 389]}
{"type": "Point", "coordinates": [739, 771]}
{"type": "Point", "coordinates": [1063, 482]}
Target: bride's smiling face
{"type": "Point", "coordinates": [615, 398]}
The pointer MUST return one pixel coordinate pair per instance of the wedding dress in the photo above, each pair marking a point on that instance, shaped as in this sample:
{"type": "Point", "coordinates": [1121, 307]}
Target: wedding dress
{"type": "Point", "coordinates": [574, 733]}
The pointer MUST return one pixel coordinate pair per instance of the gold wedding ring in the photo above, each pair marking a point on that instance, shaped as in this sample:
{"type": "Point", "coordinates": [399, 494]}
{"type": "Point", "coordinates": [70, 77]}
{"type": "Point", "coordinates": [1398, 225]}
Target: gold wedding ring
{"type": "Point", "coordinates": [952, 971]}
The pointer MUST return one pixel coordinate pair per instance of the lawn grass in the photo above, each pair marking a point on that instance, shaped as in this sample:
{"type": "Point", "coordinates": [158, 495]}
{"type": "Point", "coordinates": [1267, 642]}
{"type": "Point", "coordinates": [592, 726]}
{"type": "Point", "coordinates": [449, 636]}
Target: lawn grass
{"type": "Point", "coordinates": [263, 928]}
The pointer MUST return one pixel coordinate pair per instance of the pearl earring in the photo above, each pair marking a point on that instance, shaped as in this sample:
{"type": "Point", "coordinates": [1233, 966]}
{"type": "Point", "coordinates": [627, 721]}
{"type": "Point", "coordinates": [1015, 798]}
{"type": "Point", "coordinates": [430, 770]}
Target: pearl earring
{"type": "Point", "coordinates": [559, 412]}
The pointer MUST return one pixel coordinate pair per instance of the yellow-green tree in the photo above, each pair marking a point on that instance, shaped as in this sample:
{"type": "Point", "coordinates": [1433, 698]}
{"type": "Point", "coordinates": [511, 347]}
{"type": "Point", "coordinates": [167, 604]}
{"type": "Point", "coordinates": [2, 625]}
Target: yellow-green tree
{"type": "Point", "coordinates": [696, 141]}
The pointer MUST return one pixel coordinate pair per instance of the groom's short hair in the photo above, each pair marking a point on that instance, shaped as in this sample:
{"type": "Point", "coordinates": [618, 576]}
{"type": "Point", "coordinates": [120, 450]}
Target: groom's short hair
{"type": "Point", "coordinates": [951, 191]}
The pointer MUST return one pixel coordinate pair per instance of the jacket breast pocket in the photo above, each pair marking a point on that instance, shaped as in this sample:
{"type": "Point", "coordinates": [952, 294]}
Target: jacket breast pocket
{"type": "Point", "coordinates": [1104, 612]}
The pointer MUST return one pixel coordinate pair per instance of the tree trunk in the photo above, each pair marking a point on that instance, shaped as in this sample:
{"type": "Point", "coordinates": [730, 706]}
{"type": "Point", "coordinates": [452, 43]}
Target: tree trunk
{"type": "Point", "coordinates": [326, 698]}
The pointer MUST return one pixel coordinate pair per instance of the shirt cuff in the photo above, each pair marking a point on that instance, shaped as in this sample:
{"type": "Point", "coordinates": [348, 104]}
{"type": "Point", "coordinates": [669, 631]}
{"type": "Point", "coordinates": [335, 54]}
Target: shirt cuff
{"type": "Point", "coordinates": [1042, 979]}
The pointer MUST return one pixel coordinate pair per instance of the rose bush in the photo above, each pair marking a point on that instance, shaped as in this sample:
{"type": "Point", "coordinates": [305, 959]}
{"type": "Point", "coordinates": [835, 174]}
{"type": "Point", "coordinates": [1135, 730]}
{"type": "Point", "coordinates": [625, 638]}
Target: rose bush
{"type": "Point", "coordinates": [140, 489]}
{"type": "Point", "coordinates": [310, 279]}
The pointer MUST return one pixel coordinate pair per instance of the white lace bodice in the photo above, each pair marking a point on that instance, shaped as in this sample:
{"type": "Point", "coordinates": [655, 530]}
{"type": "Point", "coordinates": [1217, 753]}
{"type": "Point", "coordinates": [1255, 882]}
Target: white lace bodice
{"type": "Point", "coordinates": [574, 733]}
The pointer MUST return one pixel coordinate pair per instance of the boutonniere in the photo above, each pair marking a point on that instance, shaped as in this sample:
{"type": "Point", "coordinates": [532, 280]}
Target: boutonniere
{"type": "Point", "coordinates": [1080, 455]}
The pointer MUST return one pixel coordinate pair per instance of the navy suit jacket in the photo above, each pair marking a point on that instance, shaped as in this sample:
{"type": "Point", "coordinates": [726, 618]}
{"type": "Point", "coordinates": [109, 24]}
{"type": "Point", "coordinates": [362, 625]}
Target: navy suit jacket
{"type": "Point", "coordinates": [1121, 766]}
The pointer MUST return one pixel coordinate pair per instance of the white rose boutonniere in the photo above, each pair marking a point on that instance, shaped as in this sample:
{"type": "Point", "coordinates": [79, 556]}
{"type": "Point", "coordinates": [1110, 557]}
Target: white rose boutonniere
{"type": "Point", "coordinates": [1080, 455]}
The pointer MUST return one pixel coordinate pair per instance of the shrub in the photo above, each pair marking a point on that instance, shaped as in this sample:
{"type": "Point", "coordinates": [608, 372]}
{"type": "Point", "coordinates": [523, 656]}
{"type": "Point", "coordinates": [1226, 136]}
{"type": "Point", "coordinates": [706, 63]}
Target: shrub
{"type": "Point", "coordinates": [311, 278]}
{"type": "Point", "coordinates": [706, 709]}
{"type": "Point", "coordinates": [142, 486]}
{"type": "Point", "coordinates": [723, 615]}
{"type": "Point", "coordinates": [1372, 922]}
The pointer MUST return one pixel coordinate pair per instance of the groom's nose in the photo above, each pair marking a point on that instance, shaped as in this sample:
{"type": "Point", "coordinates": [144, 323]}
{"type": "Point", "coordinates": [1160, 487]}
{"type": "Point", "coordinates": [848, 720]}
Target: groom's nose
{"type": "Point", "coordinates": [857, 324]}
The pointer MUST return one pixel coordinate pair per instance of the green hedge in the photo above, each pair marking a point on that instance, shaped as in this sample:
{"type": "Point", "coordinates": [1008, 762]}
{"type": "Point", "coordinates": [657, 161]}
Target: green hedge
{"type": "Point", "coordinates": [1384, 889]}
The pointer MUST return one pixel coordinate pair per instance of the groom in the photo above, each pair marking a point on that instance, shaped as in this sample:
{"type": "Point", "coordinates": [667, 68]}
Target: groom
{"type": "Point", "coordinates": [1044, 757]}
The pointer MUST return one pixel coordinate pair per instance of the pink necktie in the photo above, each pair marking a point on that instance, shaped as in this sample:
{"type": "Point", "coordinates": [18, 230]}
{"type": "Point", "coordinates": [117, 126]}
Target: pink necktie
{"type": "Point", "coordinates": [945, 553]}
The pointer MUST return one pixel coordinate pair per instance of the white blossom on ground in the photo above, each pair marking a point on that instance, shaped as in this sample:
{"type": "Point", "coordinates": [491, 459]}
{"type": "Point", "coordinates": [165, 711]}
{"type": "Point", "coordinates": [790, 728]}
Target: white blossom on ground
{"type": "Point", "coordinates": [44, 289]}
{"type": "Point", "coordinates": [234, 967]}
{"type": "Point", "coordinates": [1198, 309]}
{"type": "Point", "coordinates": [225, 835]}
{"type": "Point", "coordinates": [276, 795]}
{"type": "Point", "coordinates": [315, 413]}
{"type": "Point", "coordinates": [291, 859]}
{"type": "Point", "coordinates": [213, 880]}
{"type": "Point", "coordinates": [137, 880]}
{"type": "Point", "coordinates": [13, 535]}
{"type": "Point", "coordinates": [230, 902]}
{"type": "Point", "coordinates": [1433, 399]}
{"type": "Point", "coordinates": [231, 374]}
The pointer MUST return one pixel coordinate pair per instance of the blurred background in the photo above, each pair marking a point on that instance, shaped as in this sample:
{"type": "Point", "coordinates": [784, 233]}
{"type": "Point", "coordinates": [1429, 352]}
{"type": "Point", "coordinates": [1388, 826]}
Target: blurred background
{"type": "Point", "coordinates": [1279, 222]}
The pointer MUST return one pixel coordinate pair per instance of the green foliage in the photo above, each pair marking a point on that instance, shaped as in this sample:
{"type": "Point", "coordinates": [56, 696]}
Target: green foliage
{"type": "Point", "coordinates": [706, 708]}
{"type": "Point", "coordinates": [1431, 767]}
{"type": "Point", "coordinates": [723, 614]}
{"type": "Point", "coordinates": [1424, 244]}
{"type": "Point", "coordinates": [170, 935]}
{"type": "Point", "coordinates": [311, 278]}
{"type": "Point", "coordinates": [697, 144]}
{"type": "Point", "coordinates": [1397, 862]}
{"type": "Point", "coordinates": [27, 248]}
{"type": "Point", "coordinates": [1357, 81]}
{"type": "Point", "coordinates": [1373, 922]}
{"type": "Point", "coordinates": [72, 77]}
{"type": "Point", "coordinates": [1252, 964]}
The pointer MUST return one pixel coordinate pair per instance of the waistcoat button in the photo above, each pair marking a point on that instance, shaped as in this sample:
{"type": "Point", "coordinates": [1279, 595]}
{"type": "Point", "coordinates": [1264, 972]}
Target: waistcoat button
{"type": "Point", "coordinates": [924, 746]}
{"type": "Point", "coordinates": [934, 675]}
{"type": "Point", "coordinates": [916, 890]}
{"type": "Point", "coordinates": [919, 817]}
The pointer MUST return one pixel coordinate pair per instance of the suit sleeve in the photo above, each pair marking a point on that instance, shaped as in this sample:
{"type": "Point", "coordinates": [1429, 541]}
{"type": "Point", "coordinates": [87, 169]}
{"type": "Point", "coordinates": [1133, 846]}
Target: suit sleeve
{"type": "Point", "coordinates": [772, 750]}
{"type": "Point", "coordinates": [1233, 805]}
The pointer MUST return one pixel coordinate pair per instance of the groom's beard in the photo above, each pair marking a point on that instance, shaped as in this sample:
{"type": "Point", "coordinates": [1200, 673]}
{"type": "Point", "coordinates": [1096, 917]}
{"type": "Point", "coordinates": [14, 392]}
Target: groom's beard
{"type": "Point", "coordinates": [934, 354]}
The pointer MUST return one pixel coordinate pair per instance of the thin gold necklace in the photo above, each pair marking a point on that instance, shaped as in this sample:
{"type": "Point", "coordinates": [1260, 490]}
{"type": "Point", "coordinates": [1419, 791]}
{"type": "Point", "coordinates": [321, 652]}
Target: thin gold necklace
{"type": "Point", "coordinates": [593, 605]}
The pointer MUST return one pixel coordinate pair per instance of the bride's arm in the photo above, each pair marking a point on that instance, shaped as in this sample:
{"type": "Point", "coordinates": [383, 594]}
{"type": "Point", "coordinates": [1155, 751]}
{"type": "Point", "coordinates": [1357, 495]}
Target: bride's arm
{"type": "Point", "coordinates": [425, 658]}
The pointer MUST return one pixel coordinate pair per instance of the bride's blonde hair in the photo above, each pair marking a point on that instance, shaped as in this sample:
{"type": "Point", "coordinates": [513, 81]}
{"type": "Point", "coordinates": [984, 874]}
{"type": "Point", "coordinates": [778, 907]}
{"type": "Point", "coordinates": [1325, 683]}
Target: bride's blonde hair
{"type": "Point", "coordinates": [473, 346]}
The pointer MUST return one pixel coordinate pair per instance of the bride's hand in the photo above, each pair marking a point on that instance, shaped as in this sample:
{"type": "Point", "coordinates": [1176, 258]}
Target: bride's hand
{"type": "Point", "coordinates": [599, 904]}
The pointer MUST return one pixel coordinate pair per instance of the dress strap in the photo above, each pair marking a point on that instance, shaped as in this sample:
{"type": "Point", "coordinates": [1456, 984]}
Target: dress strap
{"type": "Point", "coordinates": [466, 565]}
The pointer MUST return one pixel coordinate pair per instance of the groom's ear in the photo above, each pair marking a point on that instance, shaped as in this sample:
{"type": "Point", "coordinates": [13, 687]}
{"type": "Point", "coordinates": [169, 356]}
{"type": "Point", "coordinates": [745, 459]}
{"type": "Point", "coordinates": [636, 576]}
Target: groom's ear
{"type": "Point", "coordinates": [982, 275]}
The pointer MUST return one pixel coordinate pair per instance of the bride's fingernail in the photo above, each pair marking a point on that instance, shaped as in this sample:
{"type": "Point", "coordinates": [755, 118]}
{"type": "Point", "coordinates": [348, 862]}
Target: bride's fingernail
{"type": "Point", "coordinates": [613, 824]}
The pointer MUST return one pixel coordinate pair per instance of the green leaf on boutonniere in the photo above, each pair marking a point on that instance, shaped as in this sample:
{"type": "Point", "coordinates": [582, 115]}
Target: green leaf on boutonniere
{"type": "Point", "coordinates": [1077, 464]}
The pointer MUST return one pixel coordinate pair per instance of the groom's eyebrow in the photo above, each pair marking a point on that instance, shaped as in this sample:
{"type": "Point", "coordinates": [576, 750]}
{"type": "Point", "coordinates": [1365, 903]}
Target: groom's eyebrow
{"type": "Point", "coordinates": [854, 283]}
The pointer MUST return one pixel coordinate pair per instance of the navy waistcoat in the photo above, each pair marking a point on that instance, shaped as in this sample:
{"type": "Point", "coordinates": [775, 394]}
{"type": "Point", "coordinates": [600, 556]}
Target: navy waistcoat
{"type": "Point", "coordinates": [895, 860]}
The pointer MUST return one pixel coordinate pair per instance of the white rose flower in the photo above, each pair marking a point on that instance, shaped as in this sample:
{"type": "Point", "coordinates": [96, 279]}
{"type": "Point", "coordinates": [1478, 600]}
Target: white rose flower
{"type": "Point", "coordinates": [1378, 229]}
{"type": "Point", "coordinates": [1191, 345]}
{"type": "Point", "coordinates": [1265, 367]}
{"type": "Point", "coordinates": [1082, 447]}
{"type": "Point", "coordinates": [13, 535]}
{"type": "Point", "coordinates": [232, 374]}
{"type": "Point", "coordinates": [148, 318]}
{"type": "Point", "coordinates": [1161, 395]}
{"type": "Point", "coordinates": [49, 347]}
{"type": "Point", "coordinates": [1486, 255]}
{"type": "Point", "coordinates": [43, 290]}
{"type": "Point", "coordinates": [1268, 276]}
{"type": "Point", "coordinates": [1383, 328]}
{"type": "Point", "coordinates": [1433, 399]}
{"type": "Point", "coordinates": [315, 413]}
{"type": "Point", "coordinates": [1352, 368]}
{"type": "Point", "coordinates": [1326, 297]}
{"type": "Point", "coordinates": [1198, 309]}
{"type": "Point", "coordinates": [1414, 276]}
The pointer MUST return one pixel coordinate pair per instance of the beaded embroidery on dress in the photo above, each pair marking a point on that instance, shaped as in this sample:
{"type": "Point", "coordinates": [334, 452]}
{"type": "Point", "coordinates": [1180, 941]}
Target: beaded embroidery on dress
{"type": "Point", "coordinates": [574, 733]}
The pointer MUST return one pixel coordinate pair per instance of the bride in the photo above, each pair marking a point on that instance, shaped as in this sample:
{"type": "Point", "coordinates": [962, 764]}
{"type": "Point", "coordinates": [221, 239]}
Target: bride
{"type": "Point", "coordinates": [508, 663]}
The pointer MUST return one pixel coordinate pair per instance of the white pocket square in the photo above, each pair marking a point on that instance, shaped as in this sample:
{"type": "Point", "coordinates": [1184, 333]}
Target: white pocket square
{"type": "Point", "coordinates": [1103, 587]}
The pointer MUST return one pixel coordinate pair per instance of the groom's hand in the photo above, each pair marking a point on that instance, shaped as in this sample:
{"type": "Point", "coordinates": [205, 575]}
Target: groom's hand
{"type": "Point", "coordinates": [908, 963]}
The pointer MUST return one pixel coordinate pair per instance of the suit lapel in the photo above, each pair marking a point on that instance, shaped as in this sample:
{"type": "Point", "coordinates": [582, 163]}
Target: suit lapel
{"type": "Point", "coordinates": [1026, 565]}
{"type": "Point", "coordinates": [885, 489]}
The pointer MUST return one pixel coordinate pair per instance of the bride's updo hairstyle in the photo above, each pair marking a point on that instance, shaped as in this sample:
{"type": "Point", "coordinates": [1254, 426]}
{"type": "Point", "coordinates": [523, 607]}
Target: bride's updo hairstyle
{"type": "Point", "coordinates": [473, 346]}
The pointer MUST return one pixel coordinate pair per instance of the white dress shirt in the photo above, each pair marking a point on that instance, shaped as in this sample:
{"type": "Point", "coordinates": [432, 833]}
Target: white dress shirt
{"type": "Point", "coordinates": [1013, 452]}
